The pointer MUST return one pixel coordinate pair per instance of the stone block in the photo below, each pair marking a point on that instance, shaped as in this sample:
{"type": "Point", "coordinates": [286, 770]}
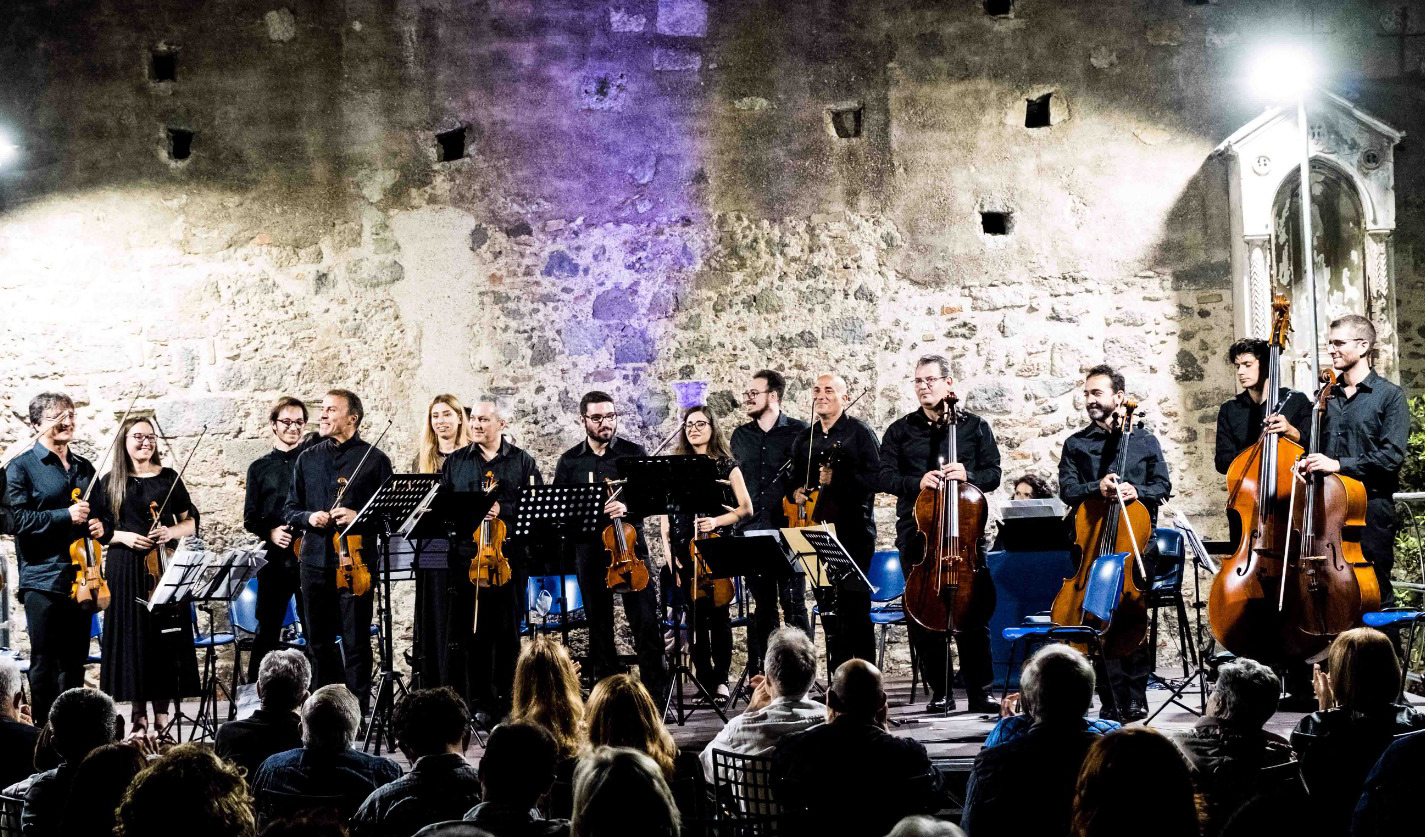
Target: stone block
{"type": "Point", "coordinates": [626, 22]}
{"type": "Point", "coordinates": [676, 60]}
{"type": "Point", "coordinates": [1127, 351]}
{"type": "Point", "coordinates": [634, 346]}
{"type": "Point", "coordinates": [1186, 367]}
{"type": "Point", "coordinates": [582, 337]}
{"type": "Point", "coordinates": [1066, 360]}
{"type": "Point", "coordinates": [238, 454]}
{"type": "Point", "coordinates": [281, 25]}
{"type": "Point", "coordinates": [616, 304]}
{"type": "Point", "coordinates": [994, 399]}
{"type": "Point", "coordinates": [560, 264]}
{"type": "Point", "coordinates": [995, 297]}
{"type": "Point", "coordinates": [686, 18]}
{"type": "Point", "coordinates": [187, 417]}
{"type": "Point", "coordinates": [374, 273]}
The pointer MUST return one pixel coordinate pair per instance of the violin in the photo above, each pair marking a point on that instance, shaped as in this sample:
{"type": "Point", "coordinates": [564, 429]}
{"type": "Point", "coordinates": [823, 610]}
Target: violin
{"type": "Point", "coordinates": [810, 512]}
{"type": "Point", "coordinates": [626, 573]}
{"type": "Point", "coordinates": [1104, 526]}
{"type": "Point", "coordinates": [89, 589]}
{"type": "Point", "coordinates": [720, 590]}
{"type": "Point", "coordinates": [156, 559]}
{"type": "Point", "coordinates": [951, 519]}
{"type": "Point", "coordinates": [351, 571]}
{"type": "Point", "coordinates": [489, 567]}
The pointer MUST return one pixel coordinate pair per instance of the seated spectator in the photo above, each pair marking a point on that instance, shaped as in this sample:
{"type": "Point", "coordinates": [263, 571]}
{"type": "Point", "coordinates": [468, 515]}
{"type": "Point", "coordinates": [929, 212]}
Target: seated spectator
{"type": "Point", "coordinates": [189, 790]}
{"type": "Point", "coordinates": [17, 729]}
{"type": "Point", "coordinates": [1388, 806]}
{"type": "Point", "coordinates": [620, 792]}
{"type": "Point", "coordinates": [325, 765]}
{"type": "Point", "coordinates": [1339, 744]}
{"type": "Point", "coordinates": [923, 826]}
{"type": "Point", "coordinates": [1227, 747]}
{"type": "Point", "coordinates": [779, 706]}
{"type": "Point", "coordinates": [621, 713]}
{"type": "Point", "coordinates": [1056, 689]}
{"type": "Point", "coordinates": [99, 786]}
{"type": "Point", "coordinates": [310, 824]}
{"type": "Point", "coordinates": [432, 729]}
{"type": "Point", "coordinates": [515, 772]}
{"type": "Point", "coordinates": [80, 721]}
{"type": "Point", "coordinates": [1032, 487]}
{"type": "Point", "coordinates": [282, 682]}
{"type": "Point", "coordinates": [852, 757]}
{"type": "Point", "coordinates": [547, 693]}
{"type": "Point", "coordinates": [1134, 780]}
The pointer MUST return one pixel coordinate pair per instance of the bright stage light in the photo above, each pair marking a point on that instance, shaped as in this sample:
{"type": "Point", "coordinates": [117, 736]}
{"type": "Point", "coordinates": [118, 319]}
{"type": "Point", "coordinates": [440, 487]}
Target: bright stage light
{"type": "Point", "coordinates": [1282, 72]}
{"type": "Point", "coordinates": [8, 150]}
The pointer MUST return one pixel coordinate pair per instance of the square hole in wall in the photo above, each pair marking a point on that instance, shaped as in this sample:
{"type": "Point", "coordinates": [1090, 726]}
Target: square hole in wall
{"type": "Point", "coordinates": [999, 8]}
{"type": "Point", "coordinates": [450, 145]}
{"type": "Point", "coordinates": [846, 122]}
{"type": "Point", "coordinates": [180, 144]}
{"type": "Point", "coordinates": [163, 66]}
{"type": "Point", "coordinates": [1036, 111]}
{"type": "Point", "coordinates": [996, 223]}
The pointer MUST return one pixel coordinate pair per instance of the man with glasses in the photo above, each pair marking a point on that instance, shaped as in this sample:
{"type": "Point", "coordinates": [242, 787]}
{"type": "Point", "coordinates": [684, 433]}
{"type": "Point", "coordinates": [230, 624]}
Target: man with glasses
{"type": "Point", "coordinates": [914, 457]}
{"type": "Point", "coordinates": [39, 490]}
{"type": "Point", "coordinates": [269, 478]}
{"type": "Point", "coordinates": [594, 460]}
{"type": "Point", "coordinates": [763, 450]}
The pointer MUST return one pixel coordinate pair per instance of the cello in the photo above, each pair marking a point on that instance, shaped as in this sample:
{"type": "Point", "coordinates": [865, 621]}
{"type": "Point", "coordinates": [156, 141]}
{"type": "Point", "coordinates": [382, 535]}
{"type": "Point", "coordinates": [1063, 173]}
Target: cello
{"type": "Point", "coordinates": [626, 573]}
{"type": "Point", "coordinates": [1104, 526]}
{"type": "Point", "coordinates": [951, 519]}
{"type": "Point", "coordinates": [1240, 606]}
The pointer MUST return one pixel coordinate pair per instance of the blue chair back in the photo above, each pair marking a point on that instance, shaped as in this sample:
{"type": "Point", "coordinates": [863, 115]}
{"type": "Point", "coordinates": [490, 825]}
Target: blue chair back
{"type": "Point", "coordinates": [1105, 586]}
{"type": "Point", "coordinates": [291, 617]}
{"type": "Point", "coordinates": [537, 583]}
{"type": "Point", "coordinates": [244, 612]}
{"type": "Point", "coordinates": [887, 579]}
{"type": "Point", "coordinates": [96, 626]}
{"type": "Point", "coordinates": [1167, 544]}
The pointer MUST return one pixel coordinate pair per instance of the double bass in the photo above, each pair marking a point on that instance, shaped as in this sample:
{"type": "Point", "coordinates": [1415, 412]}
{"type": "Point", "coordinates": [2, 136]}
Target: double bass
{"type": "Point", "coordinates": [1110, 526]}
{"type": "Point", "coordinates": [951, 519]}
{"type": "Point", "coordinates": [626, 573]}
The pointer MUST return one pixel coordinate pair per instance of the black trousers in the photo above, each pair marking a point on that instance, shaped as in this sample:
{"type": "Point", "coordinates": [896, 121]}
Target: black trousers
{"type": "Point", "coordinates": [59, 645]}
{"type": "Point", "coordinates": [1378, 543]}
{"type": "Point", "coordinates": [1127, 679]}
{"type": "Point", "coordinates": [641, 608]}
{"type": "Point", "coordinates": [495, 644]}
{"type": "Point", "coordinates": [333, 614]}
{"type": "Point", "coordinates": [972, 642]}
{"type": "Point", "coordinates": [277, 582]}
{"type": "Point", "coordinates": [711, 628]}
{"type": "Point", "coordinates": [767, 593]}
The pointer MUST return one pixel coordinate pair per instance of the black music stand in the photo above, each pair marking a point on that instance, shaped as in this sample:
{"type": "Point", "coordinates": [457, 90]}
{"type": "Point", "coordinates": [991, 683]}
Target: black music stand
{"type": "Point", "coordinates": [747, 556]}
{"type": "Point", "coordinates": [556, 516]}
{"type": "Point", "coordinates": [1200, 667]}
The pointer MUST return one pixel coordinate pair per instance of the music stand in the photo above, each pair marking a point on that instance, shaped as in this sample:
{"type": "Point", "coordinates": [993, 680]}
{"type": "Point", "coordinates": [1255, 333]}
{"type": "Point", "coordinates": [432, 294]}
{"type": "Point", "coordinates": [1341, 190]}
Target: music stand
{"type": "Point", "coordinates": [1200, 666]}
{"type": "Point", "coordinates": [557, 515]}
{"type": "Point", "coordinates": [747, 556]}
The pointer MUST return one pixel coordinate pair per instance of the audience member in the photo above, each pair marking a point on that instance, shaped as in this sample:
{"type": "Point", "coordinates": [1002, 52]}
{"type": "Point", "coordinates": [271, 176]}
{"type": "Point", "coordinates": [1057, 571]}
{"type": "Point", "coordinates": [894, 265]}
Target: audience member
{"type": "Point", "coordinates": [1338, 744]}
{"type": "Point", "coordinates": [1228, 748]}
{"type": "Point", "coordinates": [921, 825]}
{"type": "Point", "coordinates": [1133, 780]}
{"type": "Point", "coordinates": [1032, 487]}
{"type": "Point", "coordinates": [432, 729]}
{"type": "Point", "coordinates": [1389, 806]}
{"type": "Point", "coordinates": [326, 764]}
{"type": "Point", "coordinates": [852, 757]}
{"type": "Point", "coordinates": [17, 730]}
{"type": "Point", "coordinates": [455, 828]}
{"type": "Point", "coordinates": [309, 824]}
{"type": "Point", "coordinates": [515, 772]}
{"type": "Point", "coordinates": [99, 786]}
{"type": "Point", "coordinates": [621, 713]}
{"type": "Point", "coordinates": [779, 706]}
{"type": "Point", "coordinates": [189, 790]}
{"type": "Point", "coordinates": [621, 792]}
{"type": "Point", "coordinates": [80, 721]}
{"type": "Point", "coordinates": [282, 680]}
{"type": "Point", "coordinates": [547, 693]}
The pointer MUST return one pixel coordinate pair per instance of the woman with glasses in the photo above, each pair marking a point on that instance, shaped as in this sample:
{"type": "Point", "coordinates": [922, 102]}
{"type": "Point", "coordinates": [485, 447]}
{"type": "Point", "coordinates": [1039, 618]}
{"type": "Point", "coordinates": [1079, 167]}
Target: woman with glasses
{"type": "Point", "coordinates": [442, 643]}
{"type": "Point", "coordinates": [712, 630]}
{"type": "Point", "coordinates": [146, 657]}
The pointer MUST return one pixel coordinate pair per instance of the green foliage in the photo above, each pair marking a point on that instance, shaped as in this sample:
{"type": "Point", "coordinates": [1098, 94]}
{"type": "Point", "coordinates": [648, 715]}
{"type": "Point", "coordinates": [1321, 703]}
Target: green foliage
{"type": "Point", "coordinates": [1408, 542]}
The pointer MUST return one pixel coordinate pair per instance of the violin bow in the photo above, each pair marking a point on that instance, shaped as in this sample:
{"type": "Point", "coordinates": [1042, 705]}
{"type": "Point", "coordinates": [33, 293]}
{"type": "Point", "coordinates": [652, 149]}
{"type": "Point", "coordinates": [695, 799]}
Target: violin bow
{"type": "Point", "coordinates": [20, 447]}
{"type": "Point", "coordinates": [362, 461]}
{"type": "Point", "coordinates": [110, 449]}
{"type": "Point", "coordinates": [181, 471]}
{"type": "Point", "coordinates": [1123, 506]}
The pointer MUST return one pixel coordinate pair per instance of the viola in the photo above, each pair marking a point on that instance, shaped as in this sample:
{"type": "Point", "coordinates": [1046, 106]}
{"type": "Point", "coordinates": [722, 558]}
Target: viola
{"type": "Point", "coordinates": [939, 591]}
{"type": "Point", "coordinates": [626, 573]}
{"type": "Point", "coordinates": [720, 590]}
{"type": "Point", "coordinates": [351, 571]}
{"type": "Point", "coordinates": [89, 589]}
{"type": "Point", "coordinates": [489, 567]}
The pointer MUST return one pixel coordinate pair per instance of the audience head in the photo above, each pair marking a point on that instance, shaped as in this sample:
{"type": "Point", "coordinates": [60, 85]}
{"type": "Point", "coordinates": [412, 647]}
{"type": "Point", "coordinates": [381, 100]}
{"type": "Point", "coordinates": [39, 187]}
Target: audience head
{"type": "Point", "coordinates": [282, 680]}
{"type": "Point", "coordinates": [923, 826]}
{"type": "Point", "coordinates": [1132, 778]}
{"type": "Point", "coordinates": [611, 782]}
{"type": "Point", "coordinates": [429, 722]}
{"type": "Point", "coordinates": [1056, 685]}
{"type": "Point", "coordinates": [1245, 695]}
{"type": "Point", "coordinates": [330, 718]}
{"type": "Point", "coordinates": [856, 692]}
{"type": "Point", "coordinates": [547, 693]}
{"type": "Point", "coordinates": [1032, 487]}
{"type": "Point", "coordinates": [622, 714]}
{"type": "Point", "coordinates": [1365, 673]}
{"type": "Point", "coordinates": [105, 776]}
{"type": "Point", "coordinates": [790, 663]}
{"type": "Point", "coordinates": [189, 786]}
{"type": "Point", "coordinates": [12, 696]}
{"type": "Point", "coordinates": [81, 720]}
{"type": "Point", "coordinates": [518, 765]}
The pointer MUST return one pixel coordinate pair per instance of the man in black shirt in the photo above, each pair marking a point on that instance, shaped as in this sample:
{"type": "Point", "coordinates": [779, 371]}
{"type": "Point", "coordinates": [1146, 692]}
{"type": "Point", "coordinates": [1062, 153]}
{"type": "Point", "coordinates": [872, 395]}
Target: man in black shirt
{"type": "Point", "coordinates": [1241, 420]}
{"type": "Point", "coordinates": [1364, 436]}
{"type": "Point", "coordinates": [314, 508]}
{"type": "Point", "coordinates": [269, 480]}
{"type": "Point", "coordinates": [495, 645]}
{"type": "Point", "coordinates": [282, 680]}
{"type": "Point", "coordinates": [594, 460]}
{"type": "Point", "coordinates": [763, 450]}
{"type": "Point", "coordinates": [915, 457]}
{"type": "Point", "coordinates": [844, 459]}
{"type": "Point", "coordinates": [1088, 468]}
{"type": "Point", "coordinates": [39, 491]}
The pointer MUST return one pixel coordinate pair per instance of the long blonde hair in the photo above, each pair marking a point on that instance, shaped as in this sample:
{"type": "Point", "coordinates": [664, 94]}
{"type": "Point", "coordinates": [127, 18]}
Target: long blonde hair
{"type": "Point", "coordinates": [121, 467]}
{"type": "Point", "coordinates": [621, 713]}
{"type": "Point", "coordinates": [430, 445]}
{"type": "Point", "coordinates": [547, 694]}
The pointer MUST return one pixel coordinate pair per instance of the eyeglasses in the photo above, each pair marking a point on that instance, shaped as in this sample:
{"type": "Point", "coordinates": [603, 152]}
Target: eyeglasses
{"type": "Point", "coordinates": [606, 418]}
{"type": "Point", "coordinates": [143, 438]}
{"type": "Point", "coordinates": [753, 393]}
{"type": "Point", "coordinates": [925, 382]}
{"type": "Point", "coordinates": [697, 425]}
{"type": "Point", "coordinates": [291, 423]}
{"type": "Point", "coordinates": [1336, 344]}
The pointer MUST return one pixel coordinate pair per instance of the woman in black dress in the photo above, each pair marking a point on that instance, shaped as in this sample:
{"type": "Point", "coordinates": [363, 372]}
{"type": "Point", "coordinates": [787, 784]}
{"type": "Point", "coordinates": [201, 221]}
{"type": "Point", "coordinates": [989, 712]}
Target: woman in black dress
{"type": "Point", "coordinates": [146, 657]}
{"type": "Point", "coordinates": [443, 643]}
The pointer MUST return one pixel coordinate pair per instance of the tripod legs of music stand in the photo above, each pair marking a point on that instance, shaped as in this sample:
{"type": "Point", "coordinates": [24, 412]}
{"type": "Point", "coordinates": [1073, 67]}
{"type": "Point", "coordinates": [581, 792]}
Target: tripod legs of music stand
{"type": "Point", "coordinates": [1191, 654]}
{"type": "Point", "coordinates": [203, 725]}
{"type": "Point", "coordinates": [680, 673]}
{"type": "Point", "coordinates": [390, 681]}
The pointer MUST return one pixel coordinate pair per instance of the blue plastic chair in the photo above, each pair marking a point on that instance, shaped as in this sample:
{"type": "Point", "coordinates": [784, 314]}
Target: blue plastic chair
{"type": "Point", "coordinates": [243, 616]}
{"type": "Point", "coordinates": [96, 631]}
{"type": "Point", "coordinates": [573, 597]}
{"type": "Point", "coordinates": [1166, 590]}
{"type": "Point", "coordinates": [1397, 617]}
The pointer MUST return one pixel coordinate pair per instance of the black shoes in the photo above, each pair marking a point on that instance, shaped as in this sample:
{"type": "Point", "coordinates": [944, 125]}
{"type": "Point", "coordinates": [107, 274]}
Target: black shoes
{"type": "Point", "coordinates": [983, 705]}
{"type": "Point", "coordinates": [940, 704]}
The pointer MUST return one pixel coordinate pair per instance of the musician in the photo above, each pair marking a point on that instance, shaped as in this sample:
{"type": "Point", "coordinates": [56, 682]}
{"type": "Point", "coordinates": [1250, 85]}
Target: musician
{"type": "Point", "coordinates": [269, 479]}
{"type": "Point", "coordinates": [712, 625]}
{"type": "Point", "coordinates": [443, 636]}
{"type": "Point", "coordinates": [763, 450]}
{"type": "Point", "coordinates": [1364, 436]}
{"type": "Point", "coordinates": [594, 460]}
{"type": "Point", "coordinates": [844, 457]}
{"type": "Point", "coordinates": [38, 490]}
{"type": "Point", "coordinates": [495, 644]}
{"type": "Point", "coordinates": [1240, 421]}
{"type": "Point", "coordinates": [1086, 469]}
{"type": "Point", "coordinates": [146, 657]}
{"type": "Point", "coordinates": [312, 507]}
{"type": "Point", "coordinates": [914, 457]}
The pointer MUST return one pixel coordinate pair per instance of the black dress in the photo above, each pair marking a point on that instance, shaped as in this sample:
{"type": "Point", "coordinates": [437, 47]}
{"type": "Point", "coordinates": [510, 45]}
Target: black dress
{"type": "Point", "coordinates": [145, 656]}
{"type": "Point", "coordinates": [711, 625]}
{"type": "Point", "coordinates": [442, 647]}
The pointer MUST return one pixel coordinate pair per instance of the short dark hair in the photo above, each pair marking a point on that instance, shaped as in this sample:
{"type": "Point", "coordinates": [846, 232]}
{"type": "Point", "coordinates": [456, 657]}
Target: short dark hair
{"type": "Point", "coordinates": [938, 361]}
{"type": "Point", "coordinates": [775, 382]}
{"type": "Point", "coordinates": [1103, 369]}
{"type": "Point", "coordinates": [593, 396]}
{"type": "Point", "coordinates": [283, 403]}
{"type": "Point", "coordinates": [1038, 486]}
{"type": "Point", "coordinates": [429, 720]}
{"type": "Point", "coordinates": [44, 401]}
{"type": "Point", "coordinates": [1255, 346]}
{"type": "Point", "coordinates": [353, 403]}
{"type": "Point", "coordinates": [519, 763]}
{"type": "Point", "coordinates": [1358, 324]}
{"type": "Point", "coordinates": [81, 720]}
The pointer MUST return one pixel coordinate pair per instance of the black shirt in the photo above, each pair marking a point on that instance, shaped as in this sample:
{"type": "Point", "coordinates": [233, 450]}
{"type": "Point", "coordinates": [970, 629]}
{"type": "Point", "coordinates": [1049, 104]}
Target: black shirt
{"type": "Point", "coordinates": [761, 456]}
{"type": "Point", "coordinates": [1239, 423]}
{"type": "Point", "coordinates": [439, 788]}
{"type": "Point", "coordinates": [855, 458]}
{"type": "Point", "coordinates": [314, 489]}
{"type": "Point", "coordinates": [38, 492]}
{"type": "Point", "coordinates": [914, 445]}
{"type": "Point", "coordinates": [17, 742]}
{"type": "Point", "coordinates": [1092, 453]}
{"type": "Point", "coordinates": [247, 743]}
{"type": "Point", "coordinates": [514, 468]}
{"type": "Point", "coordinates": [1368, 433]}
{"type": "Point", "coordinates": [578, 462]}
{"type": "Point", "coordinates": [269, 481]}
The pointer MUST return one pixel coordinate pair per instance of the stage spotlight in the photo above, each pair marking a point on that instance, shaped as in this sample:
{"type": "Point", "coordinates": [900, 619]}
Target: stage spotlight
{"type": "Point", "coordinates": [1282, 73]}
{"type": "Point", "coordinates": [8, 150]}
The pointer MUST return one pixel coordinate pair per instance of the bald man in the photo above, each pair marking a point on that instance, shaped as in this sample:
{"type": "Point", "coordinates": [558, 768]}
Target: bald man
{"type": "Point", "coordinates": [842, 456]}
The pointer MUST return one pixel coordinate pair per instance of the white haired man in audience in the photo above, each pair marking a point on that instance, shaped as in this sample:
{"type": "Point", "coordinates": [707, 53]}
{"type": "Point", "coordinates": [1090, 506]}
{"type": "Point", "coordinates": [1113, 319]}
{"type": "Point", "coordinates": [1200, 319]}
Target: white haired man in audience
{"type": "Point", "coordinates": [282, 680]}
{"type": "Point", "coordinates": [17, 730]}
